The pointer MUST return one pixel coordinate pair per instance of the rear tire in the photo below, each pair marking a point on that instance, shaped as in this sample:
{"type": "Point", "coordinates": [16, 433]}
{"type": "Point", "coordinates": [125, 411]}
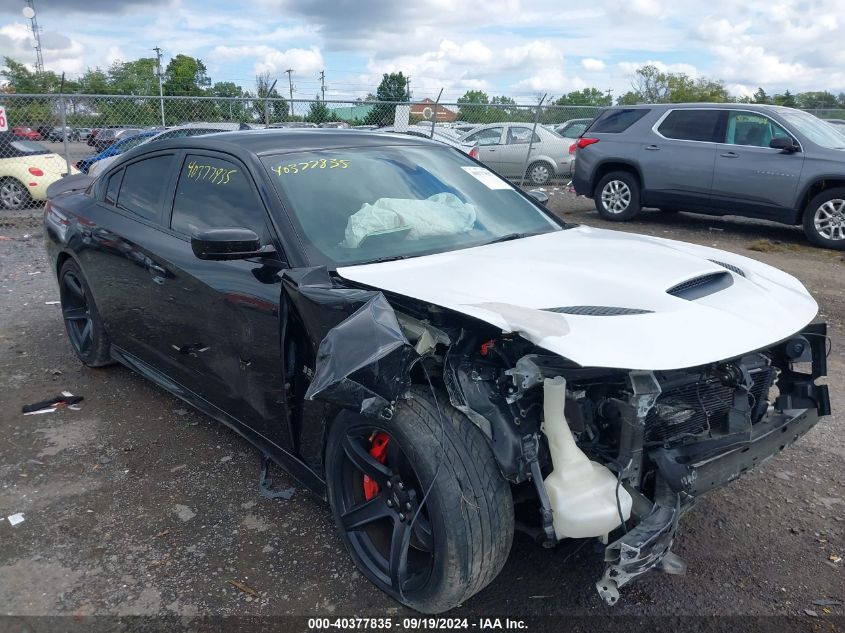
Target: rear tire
{"type": "Point", "coordinates": [617, 196]}
{"type": "Point", "coordinates": [14, 195]}
{"type": "Point", "coordinates": [824, 219]}
{"type": "Point", "coordinates": [83, 324]}
{"type": "Point", "coordinates": [540, 173]}
{"type": "Point", "coordinates": [463, 532]}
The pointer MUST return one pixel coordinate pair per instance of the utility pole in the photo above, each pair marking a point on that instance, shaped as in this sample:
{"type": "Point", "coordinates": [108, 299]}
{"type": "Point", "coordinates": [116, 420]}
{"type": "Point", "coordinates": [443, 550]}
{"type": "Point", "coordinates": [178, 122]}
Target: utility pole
{"type": "Point", "coordinates": [267, 103]}
{"type": "Point", "coordinates": [323, 83]}
{"type": "Point", "coordinates": [29, 13]}
{"type": "Point", "coordinates": [289, 71]}
{"type": "Point", "coordinates": [408, 87]}
{"type": "Point", "coordinates": [160, 88]}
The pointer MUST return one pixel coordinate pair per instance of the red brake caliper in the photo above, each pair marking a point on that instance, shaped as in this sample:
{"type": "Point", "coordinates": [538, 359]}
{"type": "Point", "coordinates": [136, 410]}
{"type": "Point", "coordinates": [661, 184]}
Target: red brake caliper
{"type": "Point", "coordinates": [379, 451]}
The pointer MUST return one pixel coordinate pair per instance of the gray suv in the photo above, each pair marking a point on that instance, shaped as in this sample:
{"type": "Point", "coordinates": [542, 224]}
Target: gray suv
{"type": "Point", "coordinates": [758, 161]}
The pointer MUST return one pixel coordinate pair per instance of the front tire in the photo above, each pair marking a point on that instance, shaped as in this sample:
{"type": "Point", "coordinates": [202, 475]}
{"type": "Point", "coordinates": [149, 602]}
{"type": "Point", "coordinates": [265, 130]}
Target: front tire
{"type": "Point", "coordinates": [617, 196]}
{"type": "Point", "coordinates": [824, 219]}
{"type": "Point", "coordinates": [83, 324]}
{"type": "Point", "coordinates": [420, 505]}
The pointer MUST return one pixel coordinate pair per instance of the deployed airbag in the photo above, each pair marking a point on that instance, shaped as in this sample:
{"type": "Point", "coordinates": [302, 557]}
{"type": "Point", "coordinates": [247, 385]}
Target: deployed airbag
{"type": "Point", "coordinates": [440, 214]}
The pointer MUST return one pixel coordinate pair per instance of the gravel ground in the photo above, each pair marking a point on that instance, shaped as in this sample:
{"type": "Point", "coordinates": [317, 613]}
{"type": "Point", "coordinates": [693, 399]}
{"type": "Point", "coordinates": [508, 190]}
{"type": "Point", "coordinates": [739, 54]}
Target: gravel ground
{"type": "Point", "coordinates": [136, 504]}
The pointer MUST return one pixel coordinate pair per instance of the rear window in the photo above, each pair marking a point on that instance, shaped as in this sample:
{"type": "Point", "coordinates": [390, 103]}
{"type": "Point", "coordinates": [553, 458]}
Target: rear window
{"type": "Point", "coordinates": [693, 125]}
{"type": "Point", "coordinates": [143, 184]}
{"type": "Point", "coordinates": [615, 121]}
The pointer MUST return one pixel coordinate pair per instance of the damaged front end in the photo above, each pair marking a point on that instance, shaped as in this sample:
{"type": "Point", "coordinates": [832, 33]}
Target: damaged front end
{"type": "Point", "coordinates": [589, 452]}
{"type": "Point", "coordinates": [665, 437]}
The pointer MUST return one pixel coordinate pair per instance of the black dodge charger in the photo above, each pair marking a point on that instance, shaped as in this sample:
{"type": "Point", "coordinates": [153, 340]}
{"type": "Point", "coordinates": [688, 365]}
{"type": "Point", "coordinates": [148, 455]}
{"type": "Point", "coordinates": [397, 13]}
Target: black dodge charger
{"type": "Point", "coordinates": [431, 350]}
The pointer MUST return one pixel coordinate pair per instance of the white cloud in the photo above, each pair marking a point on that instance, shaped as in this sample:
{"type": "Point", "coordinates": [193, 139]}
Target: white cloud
{"type": "Point", "coordinates": [549, 81]}
{"type": "Point", "coordinates": [272, 60]}
{"type": "Point", "coordinates": [592, 64]}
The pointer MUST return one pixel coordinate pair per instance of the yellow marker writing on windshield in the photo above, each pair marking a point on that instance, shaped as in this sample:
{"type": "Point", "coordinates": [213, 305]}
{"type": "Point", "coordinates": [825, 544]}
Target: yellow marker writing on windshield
{"type": "Point", "coordinates": [320, 163]}
{"type": "Point", "coordinates": [209, 174]}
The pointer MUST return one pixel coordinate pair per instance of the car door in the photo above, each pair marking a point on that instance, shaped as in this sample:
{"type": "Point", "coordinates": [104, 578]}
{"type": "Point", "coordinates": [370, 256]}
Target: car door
{"type": "Point", "coordinates": [514, 153]}
{"type": "Point", "coordinates": [219, 323]}
{"type": "Point", "coordinates": [752, 177]}
{"type": "Point", "coordinates": [678, 156]}
{"type": "Point", "coordinates": [490, 143]}
{"type": "Point", "coordinates": [121, 240]}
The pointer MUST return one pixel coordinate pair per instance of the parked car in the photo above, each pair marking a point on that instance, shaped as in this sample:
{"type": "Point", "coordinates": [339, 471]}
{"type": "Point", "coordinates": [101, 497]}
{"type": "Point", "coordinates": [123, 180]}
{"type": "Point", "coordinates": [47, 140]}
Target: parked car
{"type": "Point", "coordinates": [85, 165]}
{"type": "Point", "coordinates": [182, 131]}
{"type": "Point", "coordinates": [442, 135]}
{"type": "Point", "coordinates": [758, 161]}
{"type": "Point", "coordinates": [424, 345]}
{"type": "Point", "coordinates": [58, 134]}
{"type": "Point", "coordinates": [504, 147]}
{"type": "Point", "coordinates": [109, 136]}
{"type": "Point", "coordinates": [24, 131]}
{"type": "Point", "coordinates": [26, 170]}
{"type": "Point", "coordinates": [573, 128]}
{"type": "Point", "coordinates": [84, 133]}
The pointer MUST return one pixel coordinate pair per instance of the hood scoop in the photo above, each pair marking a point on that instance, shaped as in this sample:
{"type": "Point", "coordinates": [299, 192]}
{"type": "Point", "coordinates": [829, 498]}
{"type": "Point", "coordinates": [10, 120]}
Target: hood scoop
{"type": "Point", "coordinates": [597, 310]}
{"type": "Point", "coordinates": [730, 267]}
{"type": "Point", "coordinates": [702, 286]}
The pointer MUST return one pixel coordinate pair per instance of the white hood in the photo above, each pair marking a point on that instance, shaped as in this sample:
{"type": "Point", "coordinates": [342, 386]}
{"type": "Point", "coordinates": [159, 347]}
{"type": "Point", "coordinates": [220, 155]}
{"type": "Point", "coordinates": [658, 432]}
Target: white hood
{"type": "Point", "coordinates": [511, 285]}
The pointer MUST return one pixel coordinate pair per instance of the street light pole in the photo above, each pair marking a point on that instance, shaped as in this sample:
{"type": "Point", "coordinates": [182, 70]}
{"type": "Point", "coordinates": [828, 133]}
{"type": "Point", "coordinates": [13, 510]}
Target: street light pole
{"type": "Point", "coordinates": [289, 71]}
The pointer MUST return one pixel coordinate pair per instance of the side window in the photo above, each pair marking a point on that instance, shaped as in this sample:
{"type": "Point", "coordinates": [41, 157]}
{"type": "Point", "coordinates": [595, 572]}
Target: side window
{"type": "Point", "coordinates": [692, 125]}
{"type": "Point", "coordinates": [756, 130]}
{"type": "Point", "coordinates": [215, 193]}
{"type": "Point", "coordinates": [574, 130]}
{"type": "Point", "coordinates": [616, 121]}
{"type": "Point", "coordinates": [113, 187]}
{"type": "Point", "coordinates": [143, 185]}
{"type": "Point", "coordinates": [490, 136]}
{"type": "Point", "coordinates": [520, 135]}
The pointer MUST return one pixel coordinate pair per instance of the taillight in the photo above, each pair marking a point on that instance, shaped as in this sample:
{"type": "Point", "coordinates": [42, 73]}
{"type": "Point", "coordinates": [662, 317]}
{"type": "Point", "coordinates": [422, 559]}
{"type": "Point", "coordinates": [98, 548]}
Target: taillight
{"type": "Point", "coordinates": [584, 141]}
{"type": "Point", "coordinates": [35, 171]}
{"type": "Point", "coordinates": [474, 153]}
{"type": "Point", "coordinates": [572, 148]}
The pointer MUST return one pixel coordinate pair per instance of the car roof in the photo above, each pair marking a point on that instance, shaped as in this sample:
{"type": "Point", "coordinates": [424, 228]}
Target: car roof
{"type": "Point", "coordinates": [283, 140]}
{"type": "Point", "coordinates": [704, 105]}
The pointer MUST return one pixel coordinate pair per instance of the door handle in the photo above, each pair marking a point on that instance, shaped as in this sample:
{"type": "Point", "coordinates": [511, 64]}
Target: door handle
{"type": "Point", "coordinates": [730, 155]}
{"type": "Point", "coordinates": [157, 270]}
{"type": "Point", "coordinates": [652, 148]}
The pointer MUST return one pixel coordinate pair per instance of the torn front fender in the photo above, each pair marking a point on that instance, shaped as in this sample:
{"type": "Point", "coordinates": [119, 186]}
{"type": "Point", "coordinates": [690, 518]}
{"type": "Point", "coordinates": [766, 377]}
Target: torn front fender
{"type": "Point", "coordinates": [364, 359]}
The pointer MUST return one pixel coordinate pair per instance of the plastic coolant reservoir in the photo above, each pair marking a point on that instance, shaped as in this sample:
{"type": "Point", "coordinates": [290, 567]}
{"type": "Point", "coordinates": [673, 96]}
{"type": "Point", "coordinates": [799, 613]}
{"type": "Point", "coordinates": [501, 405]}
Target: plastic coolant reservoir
{"type": "Point", "coordinates": [582, 492]}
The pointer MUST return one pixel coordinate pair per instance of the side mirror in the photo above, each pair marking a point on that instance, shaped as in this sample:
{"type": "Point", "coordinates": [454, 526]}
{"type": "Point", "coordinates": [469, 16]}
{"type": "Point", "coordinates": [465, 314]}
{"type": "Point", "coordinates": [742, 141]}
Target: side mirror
{"type": "Point", "coordinates": [784, 143]}
{"type": "Point", "coordinates": [228, 244]}
{"type": "Point", "coordinates": [539, 196]}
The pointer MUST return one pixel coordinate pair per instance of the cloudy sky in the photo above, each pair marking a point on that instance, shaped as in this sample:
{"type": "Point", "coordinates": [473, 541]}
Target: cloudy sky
{"type": "Point", "coordinates": [512, 47]}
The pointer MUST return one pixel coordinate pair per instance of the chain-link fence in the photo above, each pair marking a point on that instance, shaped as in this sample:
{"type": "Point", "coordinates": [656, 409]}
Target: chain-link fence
{"type": "Point", "coordinates": [51, 135]}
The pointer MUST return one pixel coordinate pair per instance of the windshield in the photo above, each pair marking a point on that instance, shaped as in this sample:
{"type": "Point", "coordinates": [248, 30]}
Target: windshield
{"type": "Point", "coordinates": [814, 129]}
{"type": "Point", "coordinates": [359, 205]}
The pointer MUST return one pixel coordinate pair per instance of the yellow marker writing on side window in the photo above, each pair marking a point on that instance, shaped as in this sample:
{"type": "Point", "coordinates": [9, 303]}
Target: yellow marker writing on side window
{"type": "Point", "coordinates": [209, 174]}
{"type": "Point", "coordinates": [320, 163]}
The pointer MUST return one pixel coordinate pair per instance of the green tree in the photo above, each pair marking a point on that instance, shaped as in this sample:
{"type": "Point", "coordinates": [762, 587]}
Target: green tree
{"type": "Point", "coordinates": [471, 106]}
{"type": "Point", "coordinates": [24, 81]}
{"type": "Point", "coordinates": [787, 99]}
{"type": "Point", "coordinates": [651, 85]}
{"type": "Point", "coordinates": [94, 82]}
{"type": "Point", "coordinates": [761, 97]}
{"type": "Point", "coordinates": [816, 99]}
{"type": "Point", "coordinates": [317, 112]}
{"type": "Point", "coordinates": [393, 87]}
{"type": "Point", "coordinates": [137, 77]}
{"type": "Point", "coordinates": [277, 106]}
{"type": "Point", "coordinates": [185, 75]}
{"type": "Point", "coordinates": [585, 97]}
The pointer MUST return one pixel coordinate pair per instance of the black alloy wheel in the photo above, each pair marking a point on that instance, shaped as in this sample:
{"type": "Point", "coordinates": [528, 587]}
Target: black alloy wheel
{"type": "Point", "coordinates": [82, 321]}
{"type": "Point", "coordinates": [419, 501]}
{"type": "Point", "coordinates": [380, 509]}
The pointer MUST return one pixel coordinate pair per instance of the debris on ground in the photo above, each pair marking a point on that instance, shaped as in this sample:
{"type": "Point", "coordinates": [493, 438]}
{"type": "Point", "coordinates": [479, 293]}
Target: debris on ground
{"type": "Point", "coordinates": [811, 613]}
{"type": "Point", "coordinates": [65, 400]}
{"type": "Point", "coordinates": [242, 587]}
{"type": "Point", "coordinates": [834, 558]}
{"type": "Point", "coordinates": [827, 602]}
{"type": "Point", "coordinates": [180, 412]}
{"type": "Point", "coordinates": [52, 303]}
{"type": "Point", "coordinates": [183, 512]}
{"type": "Point", "coordinates": [771, 246]}
{"type": "Point", "coordinates": [265, 485]}
{"type": "Point", "coordinates": [14, 519]}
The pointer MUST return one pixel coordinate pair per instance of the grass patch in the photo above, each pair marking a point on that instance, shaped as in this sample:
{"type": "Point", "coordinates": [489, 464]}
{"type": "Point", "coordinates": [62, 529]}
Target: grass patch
{"type": "Point", "coordinates": [771, 246]}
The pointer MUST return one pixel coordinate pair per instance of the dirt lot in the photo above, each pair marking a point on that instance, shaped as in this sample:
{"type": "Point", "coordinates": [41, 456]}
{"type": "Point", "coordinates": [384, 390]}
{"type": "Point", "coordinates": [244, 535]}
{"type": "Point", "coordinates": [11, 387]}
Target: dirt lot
{"type": "Point", "coordinates": [136, 504]}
